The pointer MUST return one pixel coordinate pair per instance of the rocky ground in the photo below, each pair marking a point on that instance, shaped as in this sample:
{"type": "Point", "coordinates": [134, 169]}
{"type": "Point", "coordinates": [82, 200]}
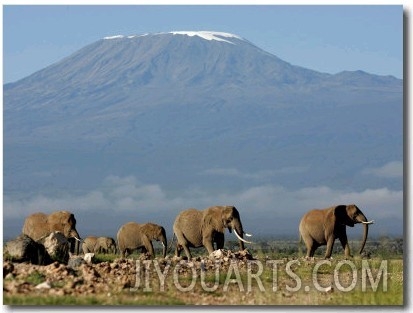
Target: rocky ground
{"type": "Point", "coordinates": [79, 277]}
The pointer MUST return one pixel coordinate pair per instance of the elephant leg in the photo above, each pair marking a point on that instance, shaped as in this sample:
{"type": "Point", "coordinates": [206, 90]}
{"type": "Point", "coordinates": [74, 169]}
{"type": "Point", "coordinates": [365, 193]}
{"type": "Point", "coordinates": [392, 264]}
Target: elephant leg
{"type": "Point", "coordinates": [123, 253]}
{"type": "Point", "coordinates": [219, 240]}
{"type": "Point", "coordinates": [310, 246]}
{"type": "Point", "coordinates": [187, 252]}
{"type": "Point", "coordinates": [311, 251]}
{"type": "Point", "coordinates": [150, 250]}
{"type": "Point", "coordinates": [207, 242]}
{"type": "Point", "coordinates": [329, 250]}
{"type": "Point", "coordinates": [182, 243]}
{"type": "Point", "coordinates": [344, 242]}
{"type": "Point", "coordinates": [148, 246]}
{"type": "Point", "coordinates": [178, 250]}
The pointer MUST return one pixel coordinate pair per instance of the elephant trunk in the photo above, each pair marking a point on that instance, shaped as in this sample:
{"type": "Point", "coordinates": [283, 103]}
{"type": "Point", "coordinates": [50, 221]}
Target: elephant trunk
{"type": "Point", "coordinates": [74, 234]}
{"type": "Point", "coordinates": [163, 250]}
{"type": "Point", "coordinates": [164, 243]}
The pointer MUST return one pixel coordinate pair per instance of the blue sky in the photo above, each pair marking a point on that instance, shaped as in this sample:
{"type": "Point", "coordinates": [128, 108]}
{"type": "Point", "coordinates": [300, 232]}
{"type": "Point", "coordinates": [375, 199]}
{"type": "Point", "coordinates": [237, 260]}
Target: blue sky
{"type": "Point", "coordinates": [324, 38]}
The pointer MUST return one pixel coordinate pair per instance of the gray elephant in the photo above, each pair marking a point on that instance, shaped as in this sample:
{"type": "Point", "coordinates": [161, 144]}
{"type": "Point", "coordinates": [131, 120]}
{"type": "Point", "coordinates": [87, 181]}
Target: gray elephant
{"type": "Point", "coordinates": [98, 245]}
{"type": "Point", "coordinates": [322, 227]}
{"type": "Point", "coordinates": [89, 244]}
{"type": "Point", "coordinates": [196, 228]}
{"type": "Point", "coordinates": [105, 245]}
{"type": "Point", "coordinates": [40, 225]}
{"type": "Point", "coordinates": [132, 236]}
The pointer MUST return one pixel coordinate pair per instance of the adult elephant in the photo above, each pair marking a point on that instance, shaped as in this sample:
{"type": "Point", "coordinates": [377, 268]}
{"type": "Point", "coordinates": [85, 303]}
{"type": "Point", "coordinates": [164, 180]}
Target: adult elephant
{"type": "Point", "coordinates": [322, 227]}
{"type": "Point", "coordinates": [196, 228]}
{"type": "Point", "coordinates": [105, 245]}
{"type": "Point", "coordinates": [132, 236]}
{"type": "Point", "coordinates": [39, 225]}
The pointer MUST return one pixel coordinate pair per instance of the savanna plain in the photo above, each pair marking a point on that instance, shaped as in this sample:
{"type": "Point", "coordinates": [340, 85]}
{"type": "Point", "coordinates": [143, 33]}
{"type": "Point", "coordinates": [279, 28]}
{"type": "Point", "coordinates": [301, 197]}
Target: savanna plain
{"type": "Point", "coordinates": [268, 272]}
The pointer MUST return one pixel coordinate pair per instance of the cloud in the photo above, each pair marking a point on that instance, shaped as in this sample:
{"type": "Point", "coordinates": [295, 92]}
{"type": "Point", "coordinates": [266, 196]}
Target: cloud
{"type": "Point", "coordinates": [267, 202]}
{"type": "Point", "coordinates": [390, 170]}
{"type": "Point", "coordinates": [233, 172]}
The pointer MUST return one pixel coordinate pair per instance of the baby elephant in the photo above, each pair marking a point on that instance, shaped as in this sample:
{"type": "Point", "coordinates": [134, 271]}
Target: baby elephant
{"type": "Point", "coordinates": [132, 236]}
{"type": "Point", "coordinates": [105, 245]}
{"type": "Point", "coordinates": [99, 245]}
{"type": "Point", "coordinates": [88, 244]}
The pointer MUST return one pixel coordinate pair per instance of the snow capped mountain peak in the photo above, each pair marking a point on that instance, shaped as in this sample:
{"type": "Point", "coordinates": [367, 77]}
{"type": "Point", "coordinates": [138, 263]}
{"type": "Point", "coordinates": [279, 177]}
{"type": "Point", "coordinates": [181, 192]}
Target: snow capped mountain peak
{"type": "Point", "coordinates": [208, 35]}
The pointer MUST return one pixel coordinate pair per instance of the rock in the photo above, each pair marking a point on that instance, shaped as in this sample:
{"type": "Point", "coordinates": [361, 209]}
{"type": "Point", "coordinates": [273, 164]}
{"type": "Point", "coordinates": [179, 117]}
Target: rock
{"type": "Point", "coordinates": [89, 257]}
{"type": "Point", "coordinates": [75, 262]}
{"type": "Point", "coordinates": [44, 285]}
{"type": "Point", "coordinates": [9, 276]}
{"type": "Point", "coordinates": [23, 249]}
{"type": "Point", "coordinates": [57, 247]}
{"type": "Point", "coordinates": [8, 268]}
{"type": "Point", "coordinates": [217, 254]}
{"type": "Point", "coordinates": [89, 274]}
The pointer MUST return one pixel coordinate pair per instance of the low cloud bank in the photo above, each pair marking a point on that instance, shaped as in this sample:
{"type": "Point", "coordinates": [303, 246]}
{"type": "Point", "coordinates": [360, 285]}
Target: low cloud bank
{"type": "Point", "coordinates": [270, 203]}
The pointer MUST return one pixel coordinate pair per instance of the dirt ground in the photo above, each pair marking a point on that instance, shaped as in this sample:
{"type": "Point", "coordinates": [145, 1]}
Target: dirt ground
{"type": "Point", "coordinates": [223, 278]}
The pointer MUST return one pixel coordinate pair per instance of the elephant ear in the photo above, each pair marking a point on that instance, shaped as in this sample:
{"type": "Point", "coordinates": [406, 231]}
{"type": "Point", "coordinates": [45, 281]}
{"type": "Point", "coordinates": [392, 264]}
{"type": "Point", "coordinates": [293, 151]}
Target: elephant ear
{"type": "Point", "coordinates": [227, 212]}
{"type": "Point", "coordinates": [340, 212]}
{"type": "Point", "coordinates": [212, 218]}
{"type": "Point", "coordinates": [206, 221]}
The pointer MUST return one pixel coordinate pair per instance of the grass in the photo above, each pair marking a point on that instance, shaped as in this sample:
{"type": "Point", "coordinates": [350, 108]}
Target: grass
{"type": "Point", "coordinates": [124, 299]}
{"type": "Point", "coordinates": [36, 278]}
{"type": "Point", "coordinates": [278, 277]}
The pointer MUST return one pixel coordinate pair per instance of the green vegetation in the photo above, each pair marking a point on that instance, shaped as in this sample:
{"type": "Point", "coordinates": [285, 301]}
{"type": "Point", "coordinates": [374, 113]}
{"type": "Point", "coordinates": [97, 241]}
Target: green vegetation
{"type": "Point", "coordinates": [100, 257]}
{"type": "Point", "coordinates": [146, 299]}
{"type": "Point", "coordinates": [278, 276]}
{"type": "Point", "coordinates": [35, 278]}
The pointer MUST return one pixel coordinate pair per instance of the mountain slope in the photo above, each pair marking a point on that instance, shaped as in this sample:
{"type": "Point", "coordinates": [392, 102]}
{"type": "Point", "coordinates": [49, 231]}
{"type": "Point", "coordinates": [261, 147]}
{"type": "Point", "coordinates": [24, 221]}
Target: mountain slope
{"type": "Point", "coordinates": [175, 108]}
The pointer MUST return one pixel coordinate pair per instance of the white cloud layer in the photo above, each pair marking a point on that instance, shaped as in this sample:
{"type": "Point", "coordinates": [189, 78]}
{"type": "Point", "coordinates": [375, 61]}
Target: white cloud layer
{"type": "Point", "coordinates": [233, 172]}
{"type": "Point", "coordinates": [390, 170]}
{"type": "Point", "coordinates": [125, 194]}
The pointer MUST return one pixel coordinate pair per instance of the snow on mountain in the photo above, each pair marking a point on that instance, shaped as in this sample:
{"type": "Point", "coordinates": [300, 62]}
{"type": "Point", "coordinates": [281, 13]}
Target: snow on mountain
{"type": "Point", "coordinates": [208, 35]}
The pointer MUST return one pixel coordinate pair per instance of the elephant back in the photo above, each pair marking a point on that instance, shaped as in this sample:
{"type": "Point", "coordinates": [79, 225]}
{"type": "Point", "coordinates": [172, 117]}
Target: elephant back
{"type": "Point", "coordinates": [189, 218]}
{"type": "Point", "coordinates": [188, 226]}
{"type": "Point", "coordinates": [62, 221]}
{"type": "Point", "coordinates": [35, 226]}
{"type": "Point", "coordinates": [128, 235]}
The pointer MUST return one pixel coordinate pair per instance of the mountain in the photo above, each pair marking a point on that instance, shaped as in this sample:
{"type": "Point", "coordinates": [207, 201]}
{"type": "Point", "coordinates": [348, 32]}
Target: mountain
{"type": "Point", "coordinates": [205, 110]}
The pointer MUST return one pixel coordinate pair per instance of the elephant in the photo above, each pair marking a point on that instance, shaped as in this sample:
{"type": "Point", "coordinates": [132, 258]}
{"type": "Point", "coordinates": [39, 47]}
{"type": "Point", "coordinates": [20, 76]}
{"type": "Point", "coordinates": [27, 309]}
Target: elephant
{"type": "Point", "coordinates": [39, 225]}
{"type": "Point", "coordinates": [105, 245]}
{"type": "Point", "coordinates": [89, 244]}
{"type": "Point", "coordinates": [98, 245]}
{"type": "Point", "coordinates": [322, 227]}
{"type": "Point", "coordinates": [196, 228]}
{"type": "Point", "coordinates": [132, 236]}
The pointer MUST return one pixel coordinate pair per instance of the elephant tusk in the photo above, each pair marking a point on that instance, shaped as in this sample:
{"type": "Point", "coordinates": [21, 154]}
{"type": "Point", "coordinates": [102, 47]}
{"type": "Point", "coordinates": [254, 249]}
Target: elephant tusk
{"type": "Point", "coordinates": [80, 240]}
{"type": "Point", "coordinates": [369, 222]}
{"type": "Point", "coordinates": [163, 245]}
{"type": "Point", "coordinates": [239, 237]}
{"type": "Point", "coordinates": [248, 235]}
